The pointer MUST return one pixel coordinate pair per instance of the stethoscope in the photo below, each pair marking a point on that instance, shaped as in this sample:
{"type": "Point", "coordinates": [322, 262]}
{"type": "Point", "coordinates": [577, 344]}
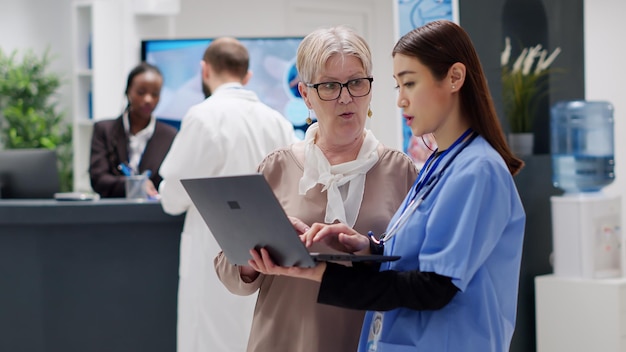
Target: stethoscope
{"type": "Point", "coordinates": [427, 181]}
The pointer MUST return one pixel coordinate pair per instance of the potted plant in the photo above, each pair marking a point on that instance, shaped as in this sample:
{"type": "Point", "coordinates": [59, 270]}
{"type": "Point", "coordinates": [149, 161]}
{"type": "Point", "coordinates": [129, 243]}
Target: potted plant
{"type": "Point", "coordinates": [29, 117]}
{"type": "Point", "coordinates": [524, 84]}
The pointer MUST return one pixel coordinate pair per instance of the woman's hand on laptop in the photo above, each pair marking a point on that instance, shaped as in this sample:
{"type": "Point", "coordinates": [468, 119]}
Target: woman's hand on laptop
{"type": "Point", "coordinates": [338, 236]}
{"type": "Point", "coordinates": [299, 225]}
{"type": "Point", "coordinates": [263, 263]}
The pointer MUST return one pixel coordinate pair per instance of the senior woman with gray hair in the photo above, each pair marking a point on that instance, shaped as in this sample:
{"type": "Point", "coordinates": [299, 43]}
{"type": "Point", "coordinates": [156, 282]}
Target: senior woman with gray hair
{"type": "Point", "coordinates": [340, 172]}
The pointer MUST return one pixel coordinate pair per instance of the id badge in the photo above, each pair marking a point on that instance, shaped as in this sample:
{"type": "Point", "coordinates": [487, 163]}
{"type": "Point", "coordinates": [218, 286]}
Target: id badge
{"type": "Point", "coordinates": [376, 327]}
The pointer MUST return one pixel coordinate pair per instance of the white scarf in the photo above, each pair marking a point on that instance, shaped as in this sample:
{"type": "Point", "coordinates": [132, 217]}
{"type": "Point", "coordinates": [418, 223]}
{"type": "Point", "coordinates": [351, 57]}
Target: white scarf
{"type": "Point", "coordinates": [343, 203]}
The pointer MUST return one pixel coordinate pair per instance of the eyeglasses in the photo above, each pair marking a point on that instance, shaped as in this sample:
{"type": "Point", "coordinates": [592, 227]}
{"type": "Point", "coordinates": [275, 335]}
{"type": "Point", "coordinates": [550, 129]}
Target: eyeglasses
{"type": "Point", "coordinates": [328, 91]}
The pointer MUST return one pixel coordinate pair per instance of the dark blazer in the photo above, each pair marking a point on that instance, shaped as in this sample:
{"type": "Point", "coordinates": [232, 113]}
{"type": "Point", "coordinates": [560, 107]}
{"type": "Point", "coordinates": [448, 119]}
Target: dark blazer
{"type": "Point", "coordinates": [109, 148]}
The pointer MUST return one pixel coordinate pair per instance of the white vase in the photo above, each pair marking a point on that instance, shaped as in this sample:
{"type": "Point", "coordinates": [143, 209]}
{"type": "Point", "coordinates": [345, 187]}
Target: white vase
{"type": "Point", "coordinates": [521, 144]}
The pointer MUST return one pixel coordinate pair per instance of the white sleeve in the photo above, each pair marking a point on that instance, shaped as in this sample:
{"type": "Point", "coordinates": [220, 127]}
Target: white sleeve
{"type": "Point", "coordinates": [195, 152]}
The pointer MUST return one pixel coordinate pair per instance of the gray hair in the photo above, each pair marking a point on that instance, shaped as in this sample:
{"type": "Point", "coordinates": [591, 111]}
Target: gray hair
{"type": "Point", "coordinates": [318, 46]}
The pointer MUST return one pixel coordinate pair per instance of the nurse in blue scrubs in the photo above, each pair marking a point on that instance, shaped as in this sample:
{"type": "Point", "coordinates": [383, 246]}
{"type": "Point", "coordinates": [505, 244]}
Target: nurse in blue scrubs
{"type": "Point", "coordinates": [459, 231]}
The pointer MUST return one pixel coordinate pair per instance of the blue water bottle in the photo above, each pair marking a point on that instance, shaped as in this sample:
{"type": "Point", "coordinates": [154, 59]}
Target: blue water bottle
{"type": "Point", "coordinates": [581, 144]}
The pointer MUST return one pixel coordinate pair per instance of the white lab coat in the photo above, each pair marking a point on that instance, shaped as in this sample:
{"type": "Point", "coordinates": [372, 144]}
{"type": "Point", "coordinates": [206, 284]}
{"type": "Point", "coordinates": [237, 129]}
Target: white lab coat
{"type": "Point", "coordinates": [229, 133]}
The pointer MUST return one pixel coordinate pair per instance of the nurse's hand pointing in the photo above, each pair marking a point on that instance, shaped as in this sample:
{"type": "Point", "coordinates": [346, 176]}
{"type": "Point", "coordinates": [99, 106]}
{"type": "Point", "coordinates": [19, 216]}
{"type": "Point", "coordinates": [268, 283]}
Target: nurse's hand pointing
{"type": "Point", "coordinates": [338, 236]}
{"type": "Point", "coordinates": [299, 225]}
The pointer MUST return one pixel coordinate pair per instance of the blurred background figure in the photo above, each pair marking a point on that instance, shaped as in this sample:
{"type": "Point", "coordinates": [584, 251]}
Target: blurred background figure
{"type": "Point", "coordinates": [133, 143]}
{"type": "Point", "coordinates": [229, 133]}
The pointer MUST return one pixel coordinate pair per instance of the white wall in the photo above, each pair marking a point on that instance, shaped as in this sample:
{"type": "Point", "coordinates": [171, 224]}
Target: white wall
{"type": "Point", "coordinates": [37, 25]}
{"type": "Point", "coordinates": [605, 76]}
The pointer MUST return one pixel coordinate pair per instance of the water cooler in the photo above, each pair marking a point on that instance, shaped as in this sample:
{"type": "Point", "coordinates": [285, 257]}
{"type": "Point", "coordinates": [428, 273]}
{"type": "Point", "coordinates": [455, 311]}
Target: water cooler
{"type": "Point", "coordinates": [586, 226]}
{"type": "Point", "coordinates": [582, 306]}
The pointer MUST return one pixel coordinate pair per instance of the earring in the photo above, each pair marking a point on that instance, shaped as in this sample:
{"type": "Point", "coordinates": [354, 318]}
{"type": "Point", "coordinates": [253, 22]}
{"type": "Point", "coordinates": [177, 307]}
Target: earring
{"type": "Point", "coordinates": [369, 112]}
{"type": "Point", "coordinates": [308, 119]}
{"type": "Point", "coordinates": [453, 87]}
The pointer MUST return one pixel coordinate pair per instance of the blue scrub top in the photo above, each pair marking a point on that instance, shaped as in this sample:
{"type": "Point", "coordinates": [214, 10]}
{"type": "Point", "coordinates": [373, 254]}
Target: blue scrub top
{"type": "Point", "coordinates": [470, 228]}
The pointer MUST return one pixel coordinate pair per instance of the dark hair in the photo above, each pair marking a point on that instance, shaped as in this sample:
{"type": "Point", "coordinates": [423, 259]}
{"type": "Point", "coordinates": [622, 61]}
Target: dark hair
{"type": "Point", "coordinates": [228, 55]}
{"type": "Point", "coordinates": [139, 69]}
{"type": "Point", "coordinates": [440, 44]}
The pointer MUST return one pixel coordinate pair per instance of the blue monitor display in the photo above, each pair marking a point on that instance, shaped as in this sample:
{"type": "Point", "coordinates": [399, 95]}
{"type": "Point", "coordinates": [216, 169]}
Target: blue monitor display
{"type": "Point", "coordinates": [272, 62]}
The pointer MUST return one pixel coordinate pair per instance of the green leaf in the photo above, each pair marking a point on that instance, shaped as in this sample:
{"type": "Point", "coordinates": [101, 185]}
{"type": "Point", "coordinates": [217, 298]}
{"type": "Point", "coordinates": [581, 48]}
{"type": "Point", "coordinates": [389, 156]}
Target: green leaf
{"type": "Point", "coordinates": [29, 116]}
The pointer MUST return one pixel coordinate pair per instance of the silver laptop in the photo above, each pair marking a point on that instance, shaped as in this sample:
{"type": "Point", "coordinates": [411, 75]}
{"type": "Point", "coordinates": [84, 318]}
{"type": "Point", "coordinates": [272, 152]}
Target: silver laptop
{"type": "Point", "coordinates": [243, 213]}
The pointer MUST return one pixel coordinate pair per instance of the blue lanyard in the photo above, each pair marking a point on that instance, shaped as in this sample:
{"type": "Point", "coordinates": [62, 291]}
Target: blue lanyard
{"type": "Point", "coordinates": [421, 182]}
{"type": "Point", "coordinates": [410, 205]}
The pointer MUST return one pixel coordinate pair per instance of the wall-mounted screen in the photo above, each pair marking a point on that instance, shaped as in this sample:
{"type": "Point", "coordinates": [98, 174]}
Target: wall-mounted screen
{"type": "Point", "coordinates": [272, 62]}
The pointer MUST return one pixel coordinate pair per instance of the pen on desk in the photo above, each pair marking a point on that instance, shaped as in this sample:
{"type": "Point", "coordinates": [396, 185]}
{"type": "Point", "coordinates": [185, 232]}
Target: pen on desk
{"type": "Point", "coordinates": [126, 171]}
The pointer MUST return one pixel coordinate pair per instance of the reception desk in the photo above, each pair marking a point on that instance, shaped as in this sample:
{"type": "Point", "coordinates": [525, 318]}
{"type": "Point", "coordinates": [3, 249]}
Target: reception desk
{"type": "Point", "coordinates": [88, 276]}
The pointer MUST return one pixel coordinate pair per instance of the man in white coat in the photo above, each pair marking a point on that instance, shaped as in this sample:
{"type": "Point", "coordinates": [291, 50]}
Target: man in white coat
{"type": "Point", "coordinates": [228, 133]}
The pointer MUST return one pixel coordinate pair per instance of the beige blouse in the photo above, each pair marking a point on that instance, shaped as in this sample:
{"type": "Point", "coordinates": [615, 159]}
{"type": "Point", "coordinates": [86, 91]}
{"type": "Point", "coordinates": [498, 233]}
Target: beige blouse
{"type": "Point", "coordinates": [287, 317]}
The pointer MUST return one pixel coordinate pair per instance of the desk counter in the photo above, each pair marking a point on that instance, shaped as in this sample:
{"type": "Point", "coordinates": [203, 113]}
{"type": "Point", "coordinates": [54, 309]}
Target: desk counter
{"type": "Point", "coordinates": [88, 276]}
